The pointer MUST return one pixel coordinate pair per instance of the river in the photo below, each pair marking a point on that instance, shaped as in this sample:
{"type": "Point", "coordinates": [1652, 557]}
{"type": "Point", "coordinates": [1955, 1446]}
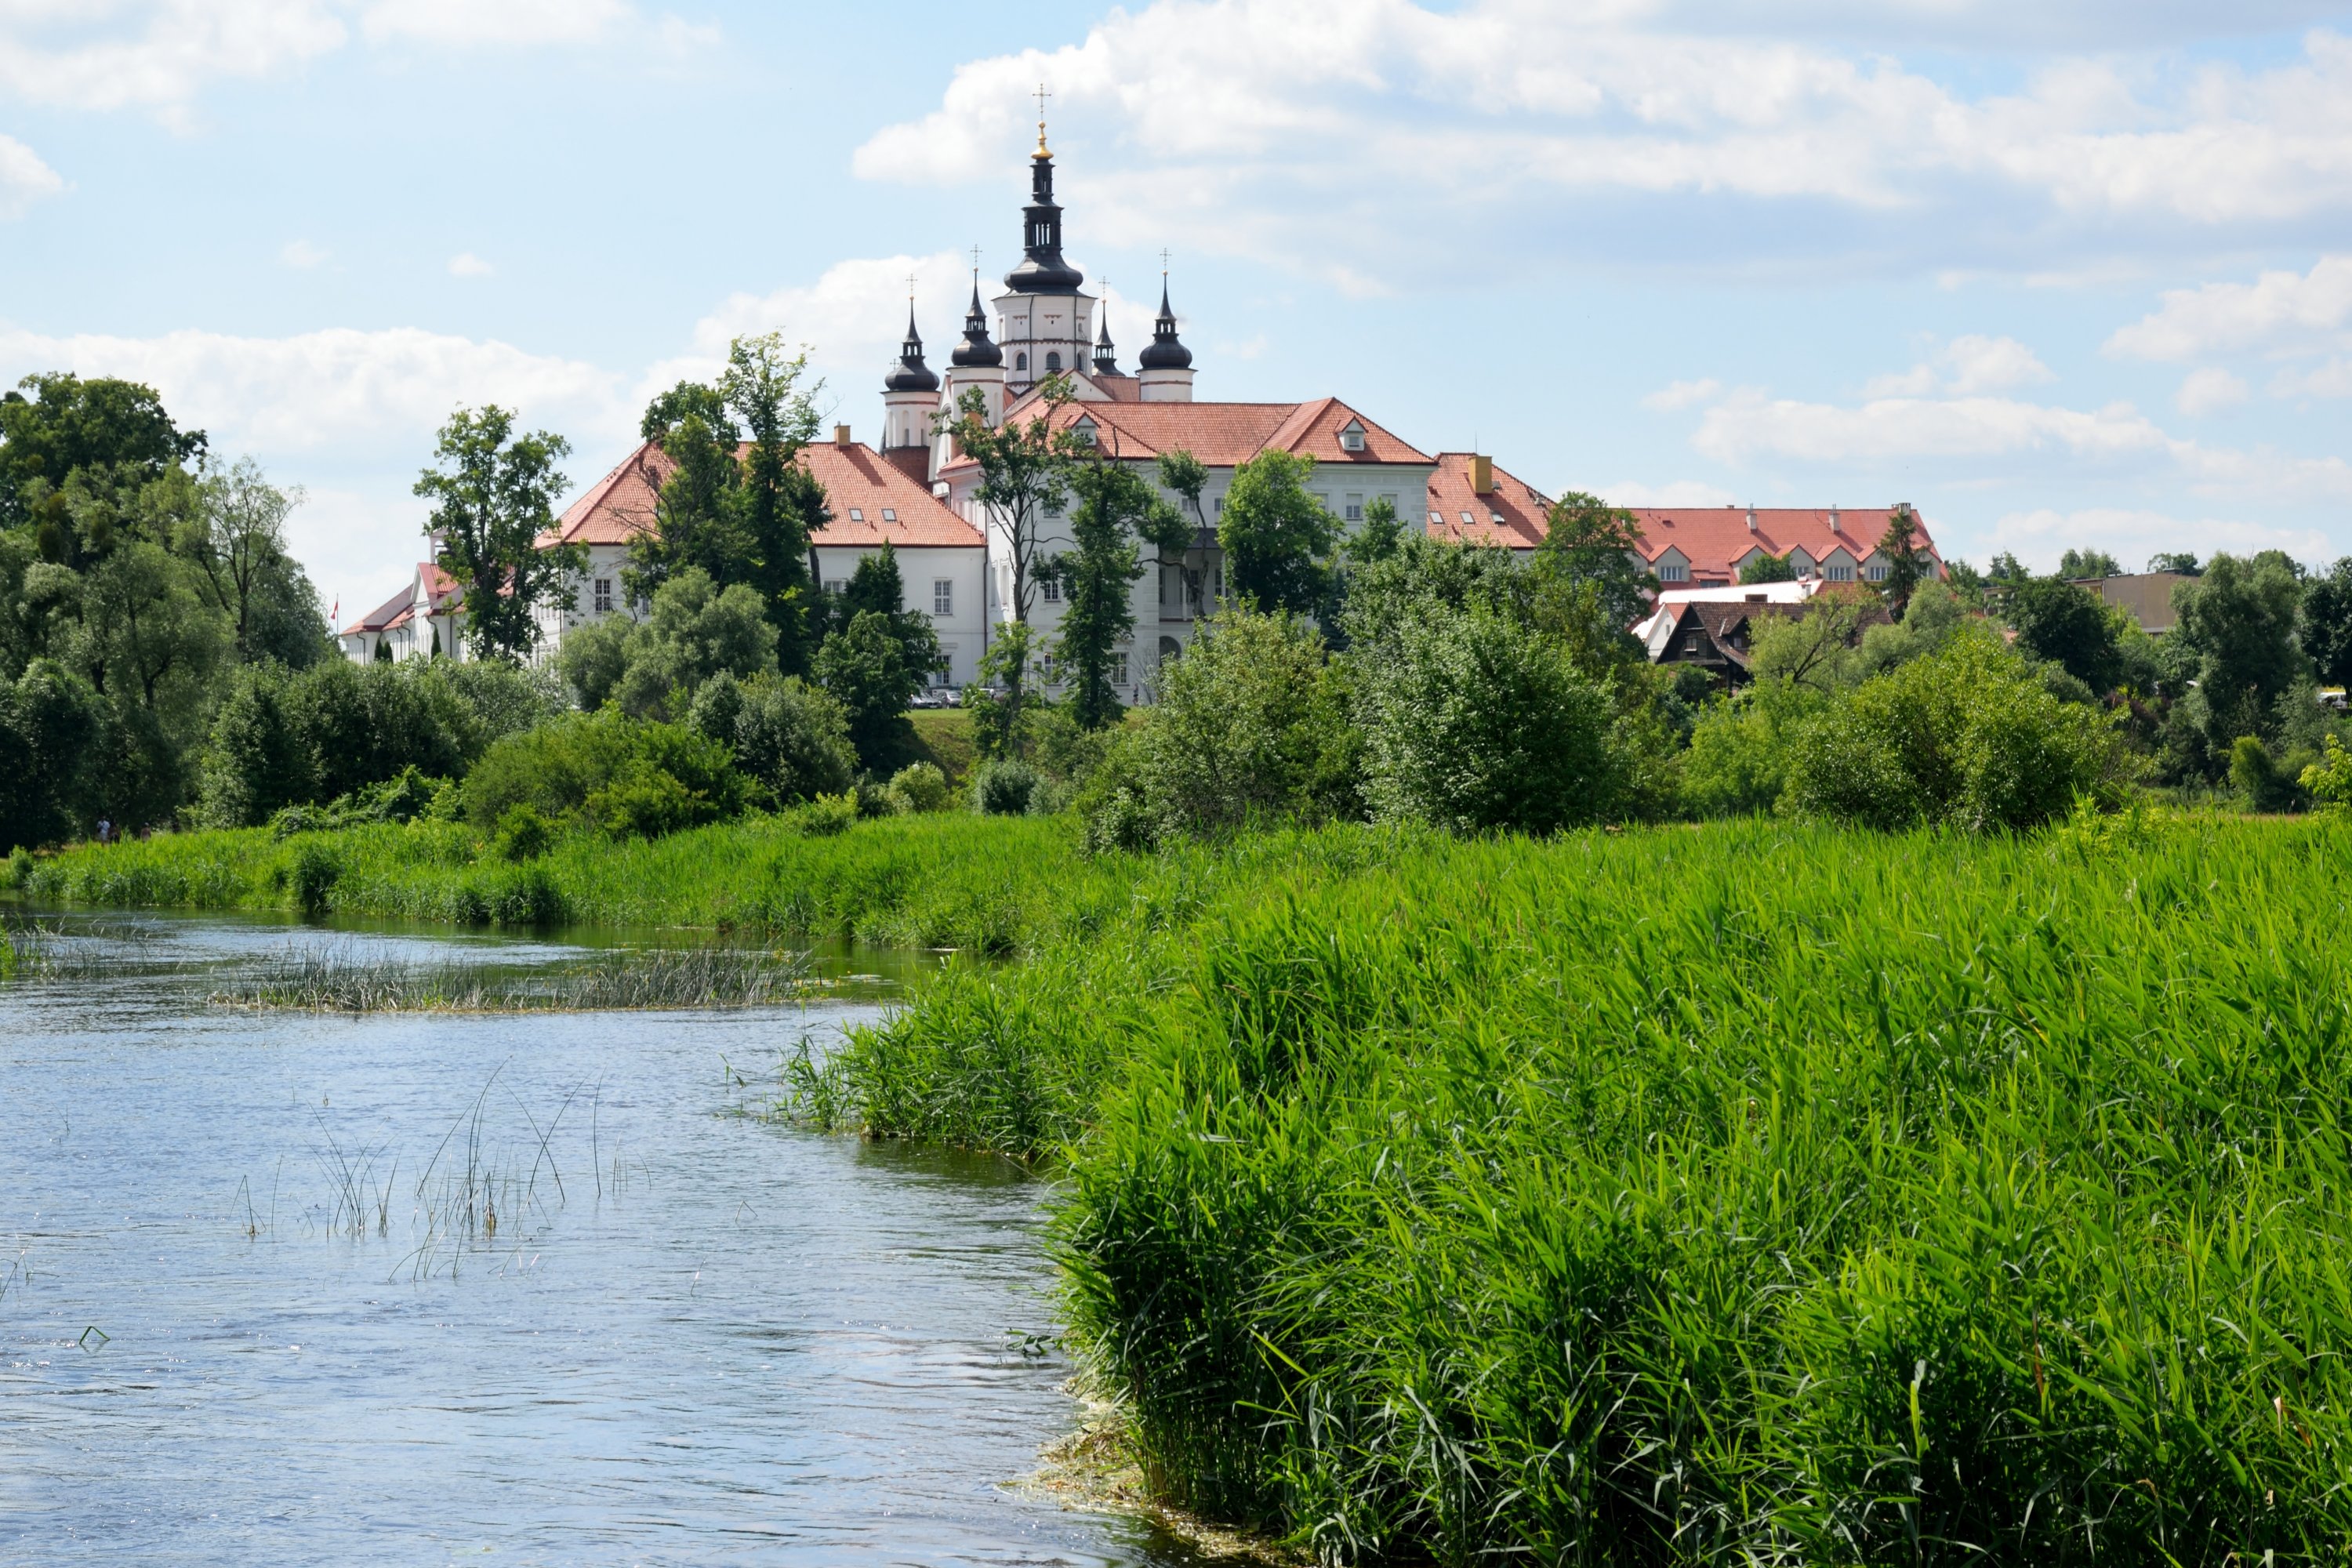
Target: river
{"type": "Point", "coordinates": [254, 1313]}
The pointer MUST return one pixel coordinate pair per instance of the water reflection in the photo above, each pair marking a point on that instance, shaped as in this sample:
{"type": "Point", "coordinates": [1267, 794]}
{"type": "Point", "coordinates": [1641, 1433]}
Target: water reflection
{"type": "Point", "coordinates": [286, 1287]}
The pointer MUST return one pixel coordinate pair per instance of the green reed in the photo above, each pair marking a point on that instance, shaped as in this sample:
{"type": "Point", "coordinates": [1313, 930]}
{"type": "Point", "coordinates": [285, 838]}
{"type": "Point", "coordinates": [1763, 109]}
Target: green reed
{"type": "Point", "coordinates": [1752, 1194]}
{"type": "Point", "coordinates": [345, 978]}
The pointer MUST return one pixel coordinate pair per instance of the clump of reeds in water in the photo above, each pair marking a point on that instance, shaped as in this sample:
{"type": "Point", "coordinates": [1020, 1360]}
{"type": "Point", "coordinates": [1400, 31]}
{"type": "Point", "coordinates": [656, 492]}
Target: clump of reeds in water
{"type": "Point", "coordinates": [345, 979]}
{"type": "Point", "coordinates": [48, 951]}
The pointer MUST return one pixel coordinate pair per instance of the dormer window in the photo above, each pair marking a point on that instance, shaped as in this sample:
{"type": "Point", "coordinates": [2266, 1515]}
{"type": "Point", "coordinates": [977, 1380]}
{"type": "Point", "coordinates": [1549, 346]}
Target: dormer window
{"type": "Point", "coordinates": [1351, 437]}
{"type": "Point", "coordinates": [1086, 429]}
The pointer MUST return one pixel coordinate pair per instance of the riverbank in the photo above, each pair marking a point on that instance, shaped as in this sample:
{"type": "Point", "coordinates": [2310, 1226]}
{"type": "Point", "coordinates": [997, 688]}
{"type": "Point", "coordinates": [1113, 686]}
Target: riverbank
{"type": "Point", "coordinates": [1755, 1191]}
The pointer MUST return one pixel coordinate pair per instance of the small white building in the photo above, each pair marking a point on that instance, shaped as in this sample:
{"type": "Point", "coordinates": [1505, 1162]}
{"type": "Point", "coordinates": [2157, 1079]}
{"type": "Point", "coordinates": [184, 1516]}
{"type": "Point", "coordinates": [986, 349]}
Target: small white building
{"type": "Point", "coordinates": [426, 619]}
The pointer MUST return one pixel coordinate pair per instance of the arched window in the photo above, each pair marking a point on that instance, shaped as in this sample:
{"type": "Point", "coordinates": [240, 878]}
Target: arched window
{"type": "Point", "coordinates": [1052, 362]}
{"type": "Point", "coordinates": [1021, 363]}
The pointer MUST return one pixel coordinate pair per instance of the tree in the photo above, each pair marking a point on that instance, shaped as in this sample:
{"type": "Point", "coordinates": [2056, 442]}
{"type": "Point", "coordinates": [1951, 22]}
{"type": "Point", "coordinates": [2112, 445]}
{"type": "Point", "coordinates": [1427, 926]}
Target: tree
{"type": "Point", "coordinates": [1116, 508]}
{"type": "Point", "coordinates": [2066, 623]}
{"type": "Point", "coordinates": [1024, 475]}
{"type": "Point", "coordinates": [1381, 535]}
{"type": "Point", "coordinates": [72, 426]}
{"type": "Point", "coordinates": [52, 727]}
{"type": "Point", "coordinates": [1188, 477]}
{"type": "Point", "coordinates": [1762, 568]}
{"type": "Point", "coordinates": [1586, 540]}
{"type": "Point", "coordinates": [697, 630]}
{"type": "Point", "coordinates": [2088, 563]}
{"type": "Point", "coordinates": [866, 666]}
{"type": "Point", "coordinates": [1906, 564]}
{"type": "Point", "coordinates": [998, 700]}
{"type": "Point", "coordinates": [2239, 619]}
{"type": "Point", "coordinates": [1815, 646]}
{"type": "Point", "coordinates": [698, 524]}
{"type": "Point", "coordinates": [2177, 560]}
{"type": "Point", "coordinates": [237, 540]}
{"type": "Point", "coordinates": [790, 739]}
{"type": "Point", "coordinates": [2328, 623]}
{"type": "Point", "coordinates": [493, 495]}
{"type": "Point", "coordinates": [1474, 722]}
{"type": "Point", "coordinates": [1276, 536]}
{"type": "Point", "coordinates": [782, 504]}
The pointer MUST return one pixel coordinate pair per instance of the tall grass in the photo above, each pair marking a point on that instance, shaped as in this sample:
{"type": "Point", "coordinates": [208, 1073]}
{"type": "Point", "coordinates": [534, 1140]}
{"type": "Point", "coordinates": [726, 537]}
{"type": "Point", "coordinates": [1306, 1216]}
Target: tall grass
{"type": "Point", "coordinates": [991, 886]}
{"type": "Point", "coordinates": [1754, 1194]}
{"type": "Point", "coordinates": [345, 979]}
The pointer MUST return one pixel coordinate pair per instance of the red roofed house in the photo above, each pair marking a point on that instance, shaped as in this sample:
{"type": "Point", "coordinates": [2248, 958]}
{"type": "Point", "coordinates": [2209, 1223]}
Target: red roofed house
{"type": "Point", "coordinates": [426, 619]}
{"type": "Point", "coordinates": [1695, 546]}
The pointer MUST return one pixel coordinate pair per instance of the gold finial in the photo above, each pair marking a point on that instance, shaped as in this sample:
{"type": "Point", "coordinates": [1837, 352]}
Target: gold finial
{"type": "Point", "coordinates": [1041, 95]}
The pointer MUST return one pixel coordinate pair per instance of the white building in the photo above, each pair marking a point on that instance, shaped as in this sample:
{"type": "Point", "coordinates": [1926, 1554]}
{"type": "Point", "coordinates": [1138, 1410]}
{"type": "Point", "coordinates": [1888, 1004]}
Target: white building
{"type": "Point", "coordinates": [426, 619]}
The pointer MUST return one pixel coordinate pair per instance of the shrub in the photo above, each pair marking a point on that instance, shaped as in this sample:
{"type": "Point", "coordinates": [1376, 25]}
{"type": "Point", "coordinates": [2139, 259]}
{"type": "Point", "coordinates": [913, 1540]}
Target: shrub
{"type": "Point", "coordinates": [1473, 722]}
{"type": "Point", "coordinates": [696, 631]}
{"type": "Point", "coordinates": [288, 821]}
{"type": "Point", "coordinates": [20, 868]}
{"type": "Point", "coordinates": [1738, 758]}
{"type": "Point", "coordinates": [2261, 782]}
{"type": "Point", "coordinates": [316, 871]}
{"type": "Point", "coordinates": [404, 798]}
{"type": "Point", "coordinates": [917, 788]}
{"type": "Point", "coordinates": [1969, 737]}
{"type": "Point", "coordinates": [2329, 782]}
{"type": "Point", "coordinates": [524, 834]}
{"type": "Point", "coordinates": [827, 815]}
{"type": "Point", "coordinates": [1002, 787]}
{"type": "Point", "coordinates": [632, 778]}
{"type": "Point", "coordinates": [790, 740]}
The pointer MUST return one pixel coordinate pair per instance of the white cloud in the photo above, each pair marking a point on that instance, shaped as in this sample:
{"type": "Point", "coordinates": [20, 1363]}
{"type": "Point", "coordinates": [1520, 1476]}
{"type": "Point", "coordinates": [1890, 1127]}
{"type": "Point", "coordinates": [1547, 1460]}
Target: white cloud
{"type": "Point", "coordinates": [375, 390]}
{"type": "Point", "coordinates": [24, 178]}
{"type": "Point", "coordinates": [466, 264]}
{"type": "Point", "coordinates": [1269, 127]}
{"type": "Point", "coordinates": [469, 22]}
{"type": "Point", "coordinates": [2279, 311]}
{"type": "Point", "coordinates": [301, 254]}
{"type": "Point", "coordinates": [1677, 394]}
{"type": "Point", "coordinates": [2040, 537]}
{"type": "Point", "coordinates": [1986, 438]}
{"type": "Point", "coordinates": [1965, 367]}
{"type": "Point", "coordinates": [155, 53]}
{"type": "Point", "coordinates": [2209, 391]}
{"type": "Point", "coordinates": [2332, 379]}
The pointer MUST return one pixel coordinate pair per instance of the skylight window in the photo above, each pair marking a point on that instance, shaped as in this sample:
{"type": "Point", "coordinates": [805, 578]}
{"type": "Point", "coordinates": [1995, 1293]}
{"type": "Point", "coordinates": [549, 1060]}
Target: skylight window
{"type": "Point", "coordinates": [1466, 522]}
{"type": "Point", "coordinates": [890, 515]}
{"type": "Point", "coordinates": [856, 515]}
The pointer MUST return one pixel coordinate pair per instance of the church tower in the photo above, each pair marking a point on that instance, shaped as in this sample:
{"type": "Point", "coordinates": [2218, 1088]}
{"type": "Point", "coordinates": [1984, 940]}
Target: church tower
{"type": "Point", "coordinates": [976, 362]}
{"type": "Point", "coordinates": [909, 393]}
{"type": "Point", "coordinates": [1043, 319]}
{"type": "Point", "coordinates": [1165, 366]}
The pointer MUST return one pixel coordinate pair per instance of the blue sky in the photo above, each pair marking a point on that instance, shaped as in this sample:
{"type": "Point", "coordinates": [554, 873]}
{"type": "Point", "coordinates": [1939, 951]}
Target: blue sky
{"type": "Point", "coordinates": [2057, 273]}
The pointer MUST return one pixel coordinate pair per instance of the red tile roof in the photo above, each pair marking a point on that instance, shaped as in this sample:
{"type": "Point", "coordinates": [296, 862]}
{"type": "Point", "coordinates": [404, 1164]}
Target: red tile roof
{"type": "Point", "coordinates": [1516, 516]}
{"type": "Point", "coordinates": [1225, 435]}
{"type": "Point", "coordinates": [620, 506]}
{"type": "Point", "coordinates": [1712, 538]}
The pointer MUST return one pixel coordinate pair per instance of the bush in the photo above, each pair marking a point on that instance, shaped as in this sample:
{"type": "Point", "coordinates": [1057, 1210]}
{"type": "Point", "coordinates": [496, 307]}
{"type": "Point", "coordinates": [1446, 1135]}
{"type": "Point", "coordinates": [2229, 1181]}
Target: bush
{"type": "Point", "coordinates": [524, 834]}
{"type": "Point", "coordinates": [1473, 722]}
{"type": "Point", "coordinates": [1969, 737]}
{"type": "Point", "coordinates": [629, 777]}
{"type": "Point", "coordinates": [1739, 759]}
{"type": "Point", "coordinates": [316, 871]}
{"type": "Point", "coordinates": [790, 740]}
{"type": "Point", "coordinates": [1002, 787]}
{"type": "Point", "coordinates": [2328, 782]}
{"type": "Point", "coordinates": [827, 815]}
{"type": "Point", "coordinates": [917, 788]}
{"type": "Point", "coordinates": [20, 868]}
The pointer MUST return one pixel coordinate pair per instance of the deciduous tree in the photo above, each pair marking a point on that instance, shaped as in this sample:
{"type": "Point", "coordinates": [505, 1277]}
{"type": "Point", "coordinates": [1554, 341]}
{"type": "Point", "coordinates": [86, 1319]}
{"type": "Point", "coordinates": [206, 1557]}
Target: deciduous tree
{"type": "Point", "coordinates": [1024, 476]}
{"type": "Point", "coordinates": [1276, 536]}
{"type": "Point", "coordinates": [493, 494]}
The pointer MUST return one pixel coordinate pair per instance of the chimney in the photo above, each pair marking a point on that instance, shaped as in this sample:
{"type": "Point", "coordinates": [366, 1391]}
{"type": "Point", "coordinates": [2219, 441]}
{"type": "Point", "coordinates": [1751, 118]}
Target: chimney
{"type": "Point", "coordinates": [1481, 475]}
{"type": "Point", "coordinates": [1833, 516]}
{"type": "Point", "coordinates": [841, 436]}
{"type": "Point", "coordinates": [1752, 518]}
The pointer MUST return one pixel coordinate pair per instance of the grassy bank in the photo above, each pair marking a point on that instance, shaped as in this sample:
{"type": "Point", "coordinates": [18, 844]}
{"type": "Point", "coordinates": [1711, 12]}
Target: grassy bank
{"type": "Point", "coordinates": [990, 884]}
{"type": "Point", "coordinates": [1752, 1194]}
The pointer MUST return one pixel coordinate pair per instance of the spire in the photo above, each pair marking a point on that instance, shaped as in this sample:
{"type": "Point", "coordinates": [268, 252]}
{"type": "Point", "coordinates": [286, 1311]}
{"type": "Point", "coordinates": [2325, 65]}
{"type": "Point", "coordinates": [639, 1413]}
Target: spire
{"type": "Point", "coordinates": [1106, 358]}
{"type": "Point", "coordinates": [911, 374]}
{"type": "Point", "coordinates": [976, 348]}
{"type": "Point", "coordinates": [1165, 353]}
{"type": "Point", "coordinates": [1042, 270]}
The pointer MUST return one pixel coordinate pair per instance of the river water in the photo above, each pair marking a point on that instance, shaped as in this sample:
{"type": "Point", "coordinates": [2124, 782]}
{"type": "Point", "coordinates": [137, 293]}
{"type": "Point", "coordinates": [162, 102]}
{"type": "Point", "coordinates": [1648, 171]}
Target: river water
{"type": "Point", "coordinates": [254, 1312]}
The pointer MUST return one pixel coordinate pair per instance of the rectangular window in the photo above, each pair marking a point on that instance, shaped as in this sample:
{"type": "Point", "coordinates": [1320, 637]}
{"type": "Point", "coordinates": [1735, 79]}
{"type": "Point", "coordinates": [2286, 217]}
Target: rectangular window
{"type": "Point", "coordinates": [603, 595]}
{"type": "Point", "coordinates": [1119, 670]}
{"type": "Point", "coordinates": [1355, 508]}
{"type": "Point", "coordinates": [1050, 590]}
{"type": "Point", "coordinates": [1672, 572]}
{"type": "Point", "coordinates": [890, 515]}
{"type": "Point", "coordinates": [1171, 586]}
{"type": "Point", "coordinates": [1841, 573]}
{"type": "Point", "coordinates": [944, 675]}
{"type": "Point", "coordinates": [942, 597]}
{"type": "Point", "coordinates": [1878, 572]}
{"type": "Point", "coordinates": [856, 515]}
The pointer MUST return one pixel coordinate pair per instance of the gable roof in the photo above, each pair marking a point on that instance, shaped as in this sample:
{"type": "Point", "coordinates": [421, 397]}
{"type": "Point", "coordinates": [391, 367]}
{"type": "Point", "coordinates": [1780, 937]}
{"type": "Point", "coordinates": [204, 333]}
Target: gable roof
{"type": "Point", "coordinates": [1714, 539]}
{"type": "Point", "coordinates": [619, 508]}
{"type": "Point", "coordinates": [1226, 434]}
{"type": "Point", "coordinates": [1516, 516]}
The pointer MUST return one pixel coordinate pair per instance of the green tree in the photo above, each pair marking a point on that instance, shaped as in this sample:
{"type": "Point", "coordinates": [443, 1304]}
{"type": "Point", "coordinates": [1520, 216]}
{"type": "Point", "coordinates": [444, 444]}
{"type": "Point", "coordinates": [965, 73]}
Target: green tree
{"type": "Point", "coordinates": [1907, 562]}
{"type": "Point", "coordinates": [236, 539]}
{"type": "Point", "coordinates": [867, 668]}
{"type": "Point", "coordinates": [255, 760]}
{"type": "Point", "coordinates": [71, 426]}
{"type": "Point", "coordinates": [1276, 536]}
{"type": "Point", "coordinates": [697, 630]}
{"type": "Point", "coordinates": [998, 700]}
{"type": "Point", "coordinates": [1024, 476]}
{"type": "Point", "coordinates": [783, 505]}
{"type": "Point", "coordinates": [1117, 509]}
{"type": "Point", "coordinates": [1586, 540]}
{"type": "Point", "coordinates": [52, 729]}
{"type": "Point", "coordinates": [1381, 535]}
{"type": "Point", "coordinates": [1762, 568]}
{"type": "Point", "coordinates": [1739, 761]}
{"type": "Point", "coordinates": [1185, 476]}
{"type": "Point", "coordinates": [2088, 563]}
{"type": "Point", "coordinates": [698, 524]}
{"type": "Point", "coordinates": [2066, 623]}
{"type": "Point", "coordinates": [2328, 623]}
{"type": "Point", "coordinates": [790, 740]}
{"type": "Point", "coordinates": [2178, 561]}
{"type": "Point", "coordinates": [2239, 619]}
{"type": "Point", "coordinates": [493, 495]}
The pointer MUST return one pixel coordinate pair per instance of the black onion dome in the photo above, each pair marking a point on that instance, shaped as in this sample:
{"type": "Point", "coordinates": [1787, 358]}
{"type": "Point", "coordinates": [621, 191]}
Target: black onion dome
{"type": "Point", "coordinates": [910, 373]}
{"type": "Point", "coordinates": [976, 348]}
{"type": "Point", "coordinates": [1164, 352]}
